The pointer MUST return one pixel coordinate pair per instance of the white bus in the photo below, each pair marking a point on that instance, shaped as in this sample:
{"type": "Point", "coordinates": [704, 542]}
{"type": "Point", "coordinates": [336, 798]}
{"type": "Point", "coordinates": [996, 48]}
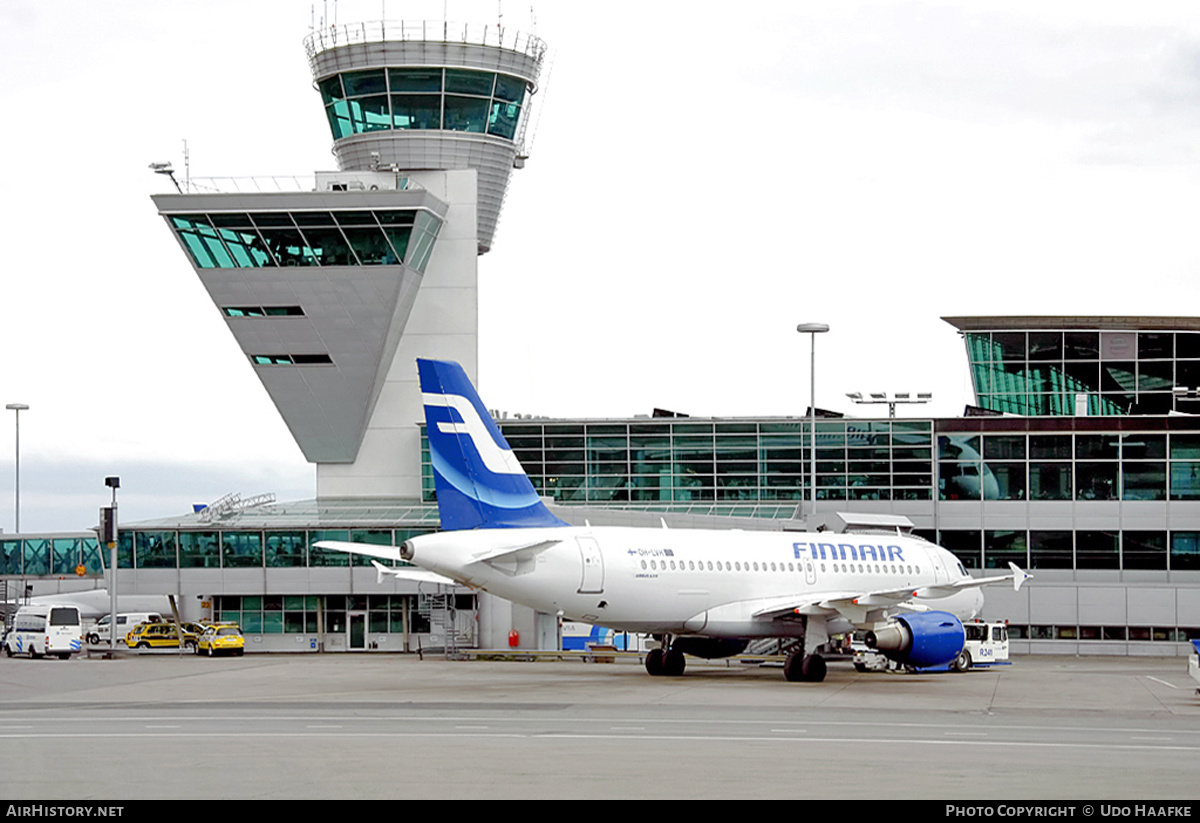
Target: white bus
{"type": "Point", "coordinates": [45, 630]}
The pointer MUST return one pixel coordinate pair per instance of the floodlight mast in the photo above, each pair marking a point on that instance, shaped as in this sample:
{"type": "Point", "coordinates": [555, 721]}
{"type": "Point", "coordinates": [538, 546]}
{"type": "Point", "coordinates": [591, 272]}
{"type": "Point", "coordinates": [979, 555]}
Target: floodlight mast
{"type": "Point", "coordinates": [18, 408]}
{"type": "Point", "coordinates": [812, 329]}
{"type": "Point", "coordinates": [899, 398]}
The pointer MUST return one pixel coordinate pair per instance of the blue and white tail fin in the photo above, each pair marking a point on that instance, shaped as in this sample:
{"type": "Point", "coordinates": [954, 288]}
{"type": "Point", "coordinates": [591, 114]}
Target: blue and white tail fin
{"type": "Point", "coordinates": [480, 484]}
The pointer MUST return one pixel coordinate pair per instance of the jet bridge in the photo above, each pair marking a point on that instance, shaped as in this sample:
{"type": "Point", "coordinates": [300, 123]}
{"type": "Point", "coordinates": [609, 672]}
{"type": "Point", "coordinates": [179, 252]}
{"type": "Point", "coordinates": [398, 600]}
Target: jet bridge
{"type": "Point", "coordinates": [860, 523]}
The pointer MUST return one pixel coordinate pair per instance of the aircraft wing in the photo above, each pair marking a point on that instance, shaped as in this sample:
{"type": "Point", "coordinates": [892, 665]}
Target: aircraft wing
{"type": "Point", "coordinates": [856, 606]}
{"type": "Point", "coordinates": [382, 552]}
{"type": "Point", "coordinates": [1018, 577]}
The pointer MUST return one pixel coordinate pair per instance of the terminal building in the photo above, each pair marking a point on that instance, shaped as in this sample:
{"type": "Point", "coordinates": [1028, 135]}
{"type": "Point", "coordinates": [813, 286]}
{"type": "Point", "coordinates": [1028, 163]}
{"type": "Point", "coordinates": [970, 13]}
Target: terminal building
{"type": "Point", "coordinates": [1080, 459]}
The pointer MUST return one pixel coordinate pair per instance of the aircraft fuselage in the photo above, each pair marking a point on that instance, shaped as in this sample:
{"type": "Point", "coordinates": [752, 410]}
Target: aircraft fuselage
{"type": "Point", "coordinates": [684, 581]}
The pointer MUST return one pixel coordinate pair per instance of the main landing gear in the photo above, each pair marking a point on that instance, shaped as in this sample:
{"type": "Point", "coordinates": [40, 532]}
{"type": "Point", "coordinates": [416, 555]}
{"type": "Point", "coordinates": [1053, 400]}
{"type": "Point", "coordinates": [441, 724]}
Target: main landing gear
{"type": "Point", "coordinates": [799, 668]}
{"type": "Point", "coordinates": [664, 662]}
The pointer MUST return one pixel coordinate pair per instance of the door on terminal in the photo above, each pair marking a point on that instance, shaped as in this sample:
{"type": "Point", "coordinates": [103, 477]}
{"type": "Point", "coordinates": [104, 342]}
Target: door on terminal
{"type": "Point", "coordinates": [356, 631]}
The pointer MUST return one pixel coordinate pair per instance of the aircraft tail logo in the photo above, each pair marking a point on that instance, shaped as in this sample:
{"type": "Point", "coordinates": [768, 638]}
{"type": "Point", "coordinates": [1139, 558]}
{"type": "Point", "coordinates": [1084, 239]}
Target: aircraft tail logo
{"type": "Point", "coordinates": [480, 483]}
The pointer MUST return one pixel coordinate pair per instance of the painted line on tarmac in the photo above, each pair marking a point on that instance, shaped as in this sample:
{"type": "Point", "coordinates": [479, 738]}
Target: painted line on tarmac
{"type": "Point", "coordinates": [682, 738]}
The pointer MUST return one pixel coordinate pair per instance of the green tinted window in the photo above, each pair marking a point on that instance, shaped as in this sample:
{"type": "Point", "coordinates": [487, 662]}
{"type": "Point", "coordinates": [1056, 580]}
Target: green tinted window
{"type": "Point", "coordinates": [412, 111]}
{"type": "Point", "coordinates": [464, 81]}
{"type": "Point", "coordinates": [503, 121]}
{"type": "Point", "coordinates": [411, 98]}
{"type": "Point", "coordinates": [331, 89]}
{"type": "Point", "coordinates": [358, 83]}
{"type": "Point", "coordinates": [509, 88]}
{"type": "Point", "coordinates": [428, 80]}
{"type": "Point", "coordinates": [466, 114]}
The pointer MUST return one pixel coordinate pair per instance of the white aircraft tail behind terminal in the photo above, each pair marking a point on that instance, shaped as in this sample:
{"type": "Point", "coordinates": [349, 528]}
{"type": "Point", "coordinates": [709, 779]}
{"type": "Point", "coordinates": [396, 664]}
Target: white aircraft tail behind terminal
{"type": "Point", "coordinates": [703, 592]}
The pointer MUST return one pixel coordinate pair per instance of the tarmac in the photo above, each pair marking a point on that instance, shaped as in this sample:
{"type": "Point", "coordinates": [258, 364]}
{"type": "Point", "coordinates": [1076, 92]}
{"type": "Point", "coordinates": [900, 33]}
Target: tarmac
{"type": "Point", "coordinates": [270, 726]}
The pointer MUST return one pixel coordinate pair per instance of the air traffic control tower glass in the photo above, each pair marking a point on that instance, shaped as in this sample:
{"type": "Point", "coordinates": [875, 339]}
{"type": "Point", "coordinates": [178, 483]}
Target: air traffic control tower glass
{"type": "Point", "coordinates": [379, 237]}
{"type": "Point", "coordinates": [423, 98]}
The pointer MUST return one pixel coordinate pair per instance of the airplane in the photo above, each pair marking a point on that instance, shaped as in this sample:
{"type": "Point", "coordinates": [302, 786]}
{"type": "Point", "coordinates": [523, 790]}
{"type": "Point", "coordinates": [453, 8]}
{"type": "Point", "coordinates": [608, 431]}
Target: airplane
{"type": "Point", "coordinates": [96, 603]}
{"type": "Point", "coordinates": [706, 593]}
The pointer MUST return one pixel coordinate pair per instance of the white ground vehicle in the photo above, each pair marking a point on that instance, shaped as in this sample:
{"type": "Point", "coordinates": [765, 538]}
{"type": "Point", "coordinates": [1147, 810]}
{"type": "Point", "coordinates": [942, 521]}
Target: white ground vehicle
{"type": "Point", "coordinates": [125, 622]}
{"type": "Point", "coordinates": [45, 630]}
{"type": "Point", "coordinates": [1194, 663]}
{"type": "Point", "coordinates": [987, 645]}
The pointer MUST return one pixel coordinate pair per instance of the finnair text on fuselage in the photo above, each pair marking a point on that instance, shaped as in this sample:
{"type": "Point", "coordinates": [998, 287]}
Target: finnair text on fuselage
{"type": "Point", "coordinates": [848, 551]}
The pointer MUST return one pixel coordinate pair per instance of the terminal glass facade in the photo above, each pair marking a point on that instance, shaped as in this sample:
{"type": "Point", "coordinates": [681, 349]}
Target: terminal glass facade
{"type": "Point", "coordinates": [1083, 371]}
{"type": "Point", "coordinates": [929, 468]}
{"type": "Point", "coordinates": [685, 460]}
{"type": "Point", "coordinates": [248, 548]}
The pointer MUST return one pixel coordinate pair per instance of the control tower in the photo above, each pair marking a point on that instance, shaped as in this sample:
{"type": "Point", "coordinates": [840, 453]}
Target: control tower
{"type": "Point", "coordinates": [429, 95]}
{"type": "Point", "coordinates": [334, 284]}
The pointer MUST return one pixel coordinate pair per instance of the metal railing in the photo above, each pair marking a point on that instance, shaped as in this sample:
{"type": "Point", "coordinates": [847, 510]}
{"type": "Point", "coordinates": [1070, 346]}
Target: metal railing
{"type": "Point", "coordinates": [269, 184]}
{"type": "Point", "coordinates": [380, 31]}
{"type": "Point", "coordinates": [248, 185]}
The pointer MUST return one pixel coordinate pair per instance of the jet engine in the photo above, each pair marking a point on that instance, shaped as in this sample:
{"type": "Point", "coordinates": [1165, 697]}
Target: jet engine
{"type": "Point", "coordinates": [710, 647]}
{"type": "Point", "coordinates": [921, 639]}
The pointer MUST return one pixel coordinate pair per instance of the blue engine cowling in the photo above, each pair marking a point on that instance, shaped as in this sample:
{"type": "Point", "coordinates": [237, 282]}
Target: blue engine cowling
{"type": "Point", "coordinates": [921, 639]}
{"type": "Point", "coordinates": [710, 648]}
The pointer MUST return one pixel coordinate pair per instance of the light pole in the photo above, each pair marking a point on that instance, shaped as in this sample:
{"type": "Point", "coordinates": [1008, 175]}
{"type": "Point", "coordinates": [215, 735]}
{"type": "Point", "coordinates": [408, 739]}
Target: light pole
{"type": "Point", "coordinates": [18, 408]}
{"type": "Point", "coordinates": [899, 398]}
{"type": "Point", "coordinates": [108, 534]}
{"type": "Point", "coordinates": [812, 329]}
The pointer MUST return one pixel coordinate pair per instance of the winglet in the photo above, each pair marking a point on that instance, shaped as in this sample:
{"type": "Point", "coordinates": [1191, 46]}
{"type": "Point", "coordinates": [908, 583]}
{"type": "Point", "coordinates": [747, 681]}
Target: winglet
{"type": "Point", "coordinates": [1019, 576]}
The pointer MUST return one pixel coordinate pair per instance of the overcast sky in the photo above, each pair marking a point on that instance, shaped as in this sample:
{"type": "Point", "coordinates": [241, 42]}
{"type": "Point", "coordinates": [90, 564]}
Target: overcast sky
{"type": "Point", "coordinates": [704, 176]}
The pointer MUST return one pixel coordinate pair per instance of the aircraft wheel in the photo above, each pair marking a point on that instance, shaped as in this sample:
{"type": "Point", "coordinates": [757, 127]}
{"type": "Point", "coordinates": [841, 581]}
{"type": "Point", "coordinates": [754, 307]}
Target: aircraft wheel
{"type": "Point", "coordinates": [654, 662]}
{"type": "Point", "coordinates": [813, 668]}
{"type": "Point", "coordinates": [792, 667]}
{"type": "Point", "coordinates": [673, 663]}
{"type": "Point", "coordinates": [963, 663]}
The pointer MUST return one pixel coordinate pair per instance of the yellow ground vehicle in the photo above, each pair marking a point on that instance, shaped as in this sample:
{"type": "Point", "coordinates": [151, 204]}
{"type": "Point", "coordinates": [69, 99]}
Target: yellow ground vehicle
{"type": "Point", "coordinates": [159, 636]}
{"type": "Point", "coordinates": [222, 638]}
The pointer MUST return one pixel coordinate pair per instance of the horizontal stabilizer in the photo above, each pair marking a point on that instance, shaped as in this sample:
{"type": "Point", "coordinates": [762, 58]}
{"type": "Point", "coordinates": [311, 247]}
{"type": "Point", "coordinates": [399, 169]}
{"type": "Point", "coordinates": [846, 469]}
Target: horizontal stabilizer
{"type": "Point", "coordinates": [409, 573]}
{"type": "Point", "coordinates": [406, 572]}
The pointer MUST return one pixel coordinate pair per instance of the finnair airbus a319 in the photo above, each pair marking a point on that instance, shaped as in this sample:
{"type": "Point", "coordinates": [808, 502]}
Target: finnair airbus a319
{"type": "Point", "coordinates": [705, 593]}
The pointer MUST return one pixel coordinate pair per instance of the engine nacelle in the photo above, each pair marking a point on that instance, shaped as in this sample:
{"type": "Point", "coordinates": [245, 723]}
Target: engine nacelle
{"type": "Point", "coordinates": [710, 647]}
{"type": "Point", "coordinates": [921, 639]}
